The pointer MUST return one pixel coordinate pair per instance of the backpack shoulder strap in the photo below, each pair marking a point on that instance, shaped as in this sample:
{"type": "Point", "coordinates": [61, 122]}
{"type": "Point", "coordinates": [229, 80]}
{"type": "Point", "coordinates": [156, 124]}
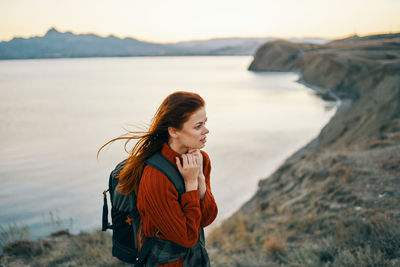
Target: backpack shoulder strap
{"type": "Point", "coordinates": [161, 163]}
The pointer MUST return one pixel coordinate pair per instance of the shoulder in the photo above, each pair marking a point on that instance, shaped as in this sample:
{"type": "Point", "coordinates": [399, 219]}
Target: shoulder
{"type": "Point", "coordinates": [153, 180]}
{"type": "Point", "coordinates": [152, 176]}
{"type": "Point", "coordinates": [206, 161]}
{"type": "Point", "coordinates": [206, 158]}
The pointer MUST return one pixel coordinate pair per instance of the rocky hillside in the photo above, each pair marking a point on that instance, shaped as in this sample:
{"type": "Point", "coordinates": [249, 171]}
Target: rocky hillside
{"type": "Point", "coordinates": [334, 202]}
{"type": "Point", "coordinates": [366, 73]}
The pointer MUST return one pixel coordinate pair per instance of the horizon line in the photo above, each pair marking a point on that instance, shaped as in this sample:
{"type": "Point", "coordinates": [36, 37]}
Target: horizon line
{"type": "Point", "coordinates": [200, 39]}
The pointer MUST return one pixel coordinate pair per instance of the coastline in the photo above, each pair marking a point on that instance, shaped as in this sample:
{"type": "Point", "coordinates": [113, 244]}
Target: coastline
{"type": "Point", "coordinates": [44, 246]}
{"type": "Point", "coordinates": [315, 207]}
{"type": "Point", "coordinates": [341, 105]}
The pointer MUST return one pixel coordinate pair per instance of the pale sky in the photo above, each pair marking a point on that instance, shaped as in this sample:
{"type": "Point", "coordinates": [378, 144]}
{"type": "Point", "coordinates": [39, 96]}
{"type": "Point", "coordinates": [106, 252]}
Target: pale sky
{"type": "Point", "coordinates": [178, 20]}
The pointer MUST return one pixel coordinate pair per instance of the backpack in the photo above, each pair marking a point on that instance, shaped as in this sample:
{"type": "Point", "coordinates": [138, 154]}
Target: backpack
{"type": "Point", "coordinates": [125, 216]}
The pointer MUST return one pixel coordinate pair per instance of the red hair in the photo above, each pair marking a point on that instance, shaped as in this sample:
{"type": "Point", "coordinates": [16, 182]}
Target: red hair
{"type": "Point", "coordinates": [174, 111]}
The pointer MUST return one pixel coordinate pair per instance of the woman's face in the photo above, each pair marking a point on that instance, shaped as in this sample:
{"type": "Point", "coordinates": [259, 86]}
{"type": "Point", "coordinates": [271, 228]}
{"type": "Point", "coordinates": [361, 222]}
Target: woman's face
{"type": "Point", "coordinates": [193, 132]}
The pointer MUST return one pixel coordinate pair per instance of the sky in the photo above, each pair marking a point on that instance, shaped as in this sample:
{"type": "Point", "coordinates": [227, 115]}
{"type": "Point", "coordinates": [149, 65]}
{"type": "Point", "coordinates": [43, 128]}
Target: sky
{"type": "Point", "coordinates": [166, 21]}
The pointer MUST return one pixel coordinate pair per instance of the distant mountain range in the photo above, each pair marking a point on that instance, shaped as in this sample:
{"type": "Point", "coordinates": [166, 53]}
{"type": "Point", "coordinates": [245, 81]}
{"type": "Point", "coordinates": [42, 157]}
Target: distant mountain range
{"type": "Point", "coordinates": [55, 44]}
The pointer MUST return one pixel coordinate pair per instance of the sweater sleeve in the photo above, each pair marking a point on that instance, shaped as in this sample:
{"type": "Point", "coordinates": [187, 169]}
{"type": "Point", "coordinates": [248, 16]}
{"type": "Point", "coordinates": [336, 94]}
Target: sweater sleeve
{"type": "Point", "coordinates": [208, 206]}
{"type": "Point", "coordinates": [177, 222]}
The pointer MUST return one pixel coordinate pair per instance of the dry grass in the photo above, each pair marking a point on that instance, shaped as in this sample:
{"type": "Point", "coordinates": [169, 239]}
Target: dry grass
{"type": "Point", "coordinates": [342, 172]}
{"type": "Point", "coordinates": [283, 210]}
{"type": "Point", "coordinates": [318, 233]}
{"type": "Point", "coordinates": [274, 245]}
{"type": "Point", "coordinates": [214, 236]}
{"type": "Point", "coordinates": [393, 165]}
{"type": "Point", "coordinates": [63, 249]}
{"type": "Point", "coordinates": [240, 230]}
{"type": "Point", "coordinates": [13, 233]}
{"type": "Point", "coordinates": [269, 227]}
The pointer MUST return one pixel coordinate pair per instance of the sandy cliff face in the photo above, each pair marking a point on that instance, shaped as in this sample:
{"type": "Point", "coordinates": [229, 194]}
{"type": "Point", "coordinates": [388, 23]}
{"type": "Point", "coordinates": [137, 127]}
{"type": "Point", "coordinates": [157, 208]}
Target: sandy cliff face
{"type": "Point", "coordinates": [334, 202]}
{"type": "Point", "coordinates": [366, 72]}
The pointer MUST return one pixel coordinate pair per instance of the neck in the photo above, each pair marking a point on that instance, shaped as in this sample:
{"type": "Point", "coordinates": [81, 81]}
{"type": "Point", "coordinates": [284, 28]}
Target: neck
{"type": "Point", "coordinates": [177, 147]}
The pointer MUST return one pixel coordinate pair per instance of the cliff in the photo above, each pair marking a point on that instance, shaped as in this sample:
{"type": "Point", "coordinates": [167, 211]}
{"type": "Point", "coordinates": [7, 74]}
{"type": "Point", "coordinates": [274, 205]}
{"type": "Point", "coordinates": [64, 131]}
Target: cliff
{"type": "Point", "coordinates": [349, 70]}
{"type": "Point", "coordinates": [334, 202]}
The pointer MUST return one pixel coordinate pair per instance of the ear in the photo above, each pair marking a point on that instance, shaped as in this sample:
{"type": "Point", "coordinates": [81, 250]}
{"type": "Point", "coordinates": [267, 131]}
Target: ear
{"type": "Point", "coordinates": [172, 132]}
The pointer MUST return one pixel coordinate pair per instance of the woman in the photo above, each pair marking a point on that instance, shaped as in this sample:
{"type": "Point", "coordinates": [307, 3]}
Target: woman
{"type": "Point", "coordinates": [177, 130]}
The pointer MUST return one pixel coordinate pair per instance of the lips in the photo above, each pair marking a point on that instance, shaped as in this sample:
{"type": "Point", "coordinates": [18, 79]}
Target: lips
{"type": "Point", "coordinates": [204, 140]}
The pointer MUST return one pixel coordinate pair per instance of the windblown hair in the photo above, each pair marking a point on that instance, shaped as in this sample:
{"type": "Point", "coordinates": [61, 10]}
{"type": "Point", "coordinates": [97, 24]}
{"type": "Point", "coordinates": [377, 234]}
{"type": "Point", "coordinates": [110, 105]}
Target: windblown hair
{"type": "Point", "coordinates": [174, 111]}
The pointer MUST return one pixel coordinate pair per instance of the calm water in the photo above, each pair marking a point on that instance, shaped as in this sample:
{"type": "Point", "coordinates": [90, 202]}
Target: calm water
{"type": "Point", "coordinates": [56, 113]}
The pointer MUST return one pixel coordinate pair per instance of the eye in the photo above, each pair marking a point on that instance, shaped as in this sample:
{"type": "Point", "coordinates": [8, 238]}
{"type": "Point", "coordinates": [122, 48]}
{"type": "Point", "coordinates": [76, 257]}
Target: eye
{"type": "Point", "coordinates": [198, 126]}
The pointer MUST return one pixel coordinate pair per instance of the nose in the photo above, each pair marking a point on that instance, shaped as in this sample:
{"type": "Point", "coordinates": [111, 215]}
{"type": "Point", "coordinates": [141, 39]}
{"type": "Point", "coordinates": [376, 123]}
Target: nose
{"type": "Point", "coordinates": [206, 130]}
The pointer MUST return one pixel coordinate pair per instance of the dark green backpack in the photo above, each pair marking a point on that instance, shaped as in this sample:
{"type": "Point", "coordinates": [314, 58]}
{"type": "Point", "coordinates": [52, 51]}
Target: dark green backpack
{"type": "Point", "coordinates": [125, 216]}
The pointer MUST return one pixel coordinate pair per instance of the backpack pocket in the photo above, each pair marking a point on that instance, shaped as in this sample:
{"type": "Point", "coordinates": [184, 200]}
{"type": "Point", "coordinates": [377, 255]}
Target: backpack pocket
{"type": "Point", "coordinates": [123, 252]}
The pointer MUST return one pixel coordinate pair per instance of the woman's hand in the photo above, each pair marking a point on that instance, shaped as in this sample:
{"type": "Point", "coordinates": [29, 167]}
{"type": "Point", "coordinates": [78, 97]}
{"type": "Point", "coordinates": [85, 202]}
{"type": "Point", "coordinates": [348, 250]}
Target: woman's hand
{"type": "Point", "coordinates": [197, 154]}
{"type": "Point", "coordinates": [189, 169]}
{"type": "Point", "coordinates": [201, 179]}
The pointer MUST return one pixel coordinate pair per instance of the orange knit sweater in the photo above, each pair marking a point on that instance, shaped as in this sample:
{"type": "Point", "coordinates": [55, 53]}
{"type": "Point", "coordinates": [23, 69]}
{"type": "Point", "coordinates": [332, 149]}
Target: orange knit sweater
{"type": "Point", "coordinates": [160, 209]}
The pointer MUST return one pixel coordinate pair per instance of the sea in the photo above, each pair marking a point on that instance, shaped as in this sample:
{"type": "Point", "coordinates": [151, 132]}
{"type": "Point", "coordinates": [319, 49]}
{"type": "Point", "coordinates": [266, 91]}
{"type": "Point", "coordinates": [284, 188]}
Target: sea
{"type": "Point", "coordinates": [56, 113]}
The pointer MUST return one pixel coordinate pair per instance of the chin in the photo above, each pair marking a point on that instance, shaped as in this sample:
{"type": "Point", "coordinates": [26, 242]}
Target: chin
{"type": "Point", "coordinates": [198, 146]}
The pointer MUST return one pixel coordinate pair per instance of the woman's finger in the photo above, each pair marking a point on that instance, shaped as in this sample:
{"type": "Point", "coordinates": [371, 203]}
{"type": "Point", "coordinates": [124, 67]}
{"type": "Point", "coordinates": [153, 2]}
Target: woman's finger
{"type": "Point", "coordinates": [197, 161]}
{"type": "Point", "coordinates": [194, 161]}
{"type": "Point", "coordinates": [185, 160]}
{"type": "Point", "coordinates": [190, 160]}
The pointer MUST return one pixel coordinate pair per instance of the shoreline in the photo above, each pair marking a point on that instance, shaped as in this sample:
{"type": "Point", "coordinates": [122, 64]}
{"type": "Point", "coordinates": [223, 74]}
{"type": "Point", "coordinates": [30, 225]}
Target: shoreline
{"type": "Point", "coordinates": [342, 105]}
{"type": "Point", "coordinates": [37, 238]}
{"type": "Point", "coordinates": [62, 236]}
{"type": "Point", "coordinates": [322, 204]}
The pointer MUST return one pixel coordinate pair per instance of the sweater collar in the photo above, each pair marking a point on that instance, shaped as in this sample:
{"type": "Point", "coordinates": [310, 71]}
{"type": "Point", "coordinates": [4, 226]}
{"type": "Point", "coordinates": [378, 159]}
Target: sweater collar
{"type": "Point", "coordinates": [170, 154]}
